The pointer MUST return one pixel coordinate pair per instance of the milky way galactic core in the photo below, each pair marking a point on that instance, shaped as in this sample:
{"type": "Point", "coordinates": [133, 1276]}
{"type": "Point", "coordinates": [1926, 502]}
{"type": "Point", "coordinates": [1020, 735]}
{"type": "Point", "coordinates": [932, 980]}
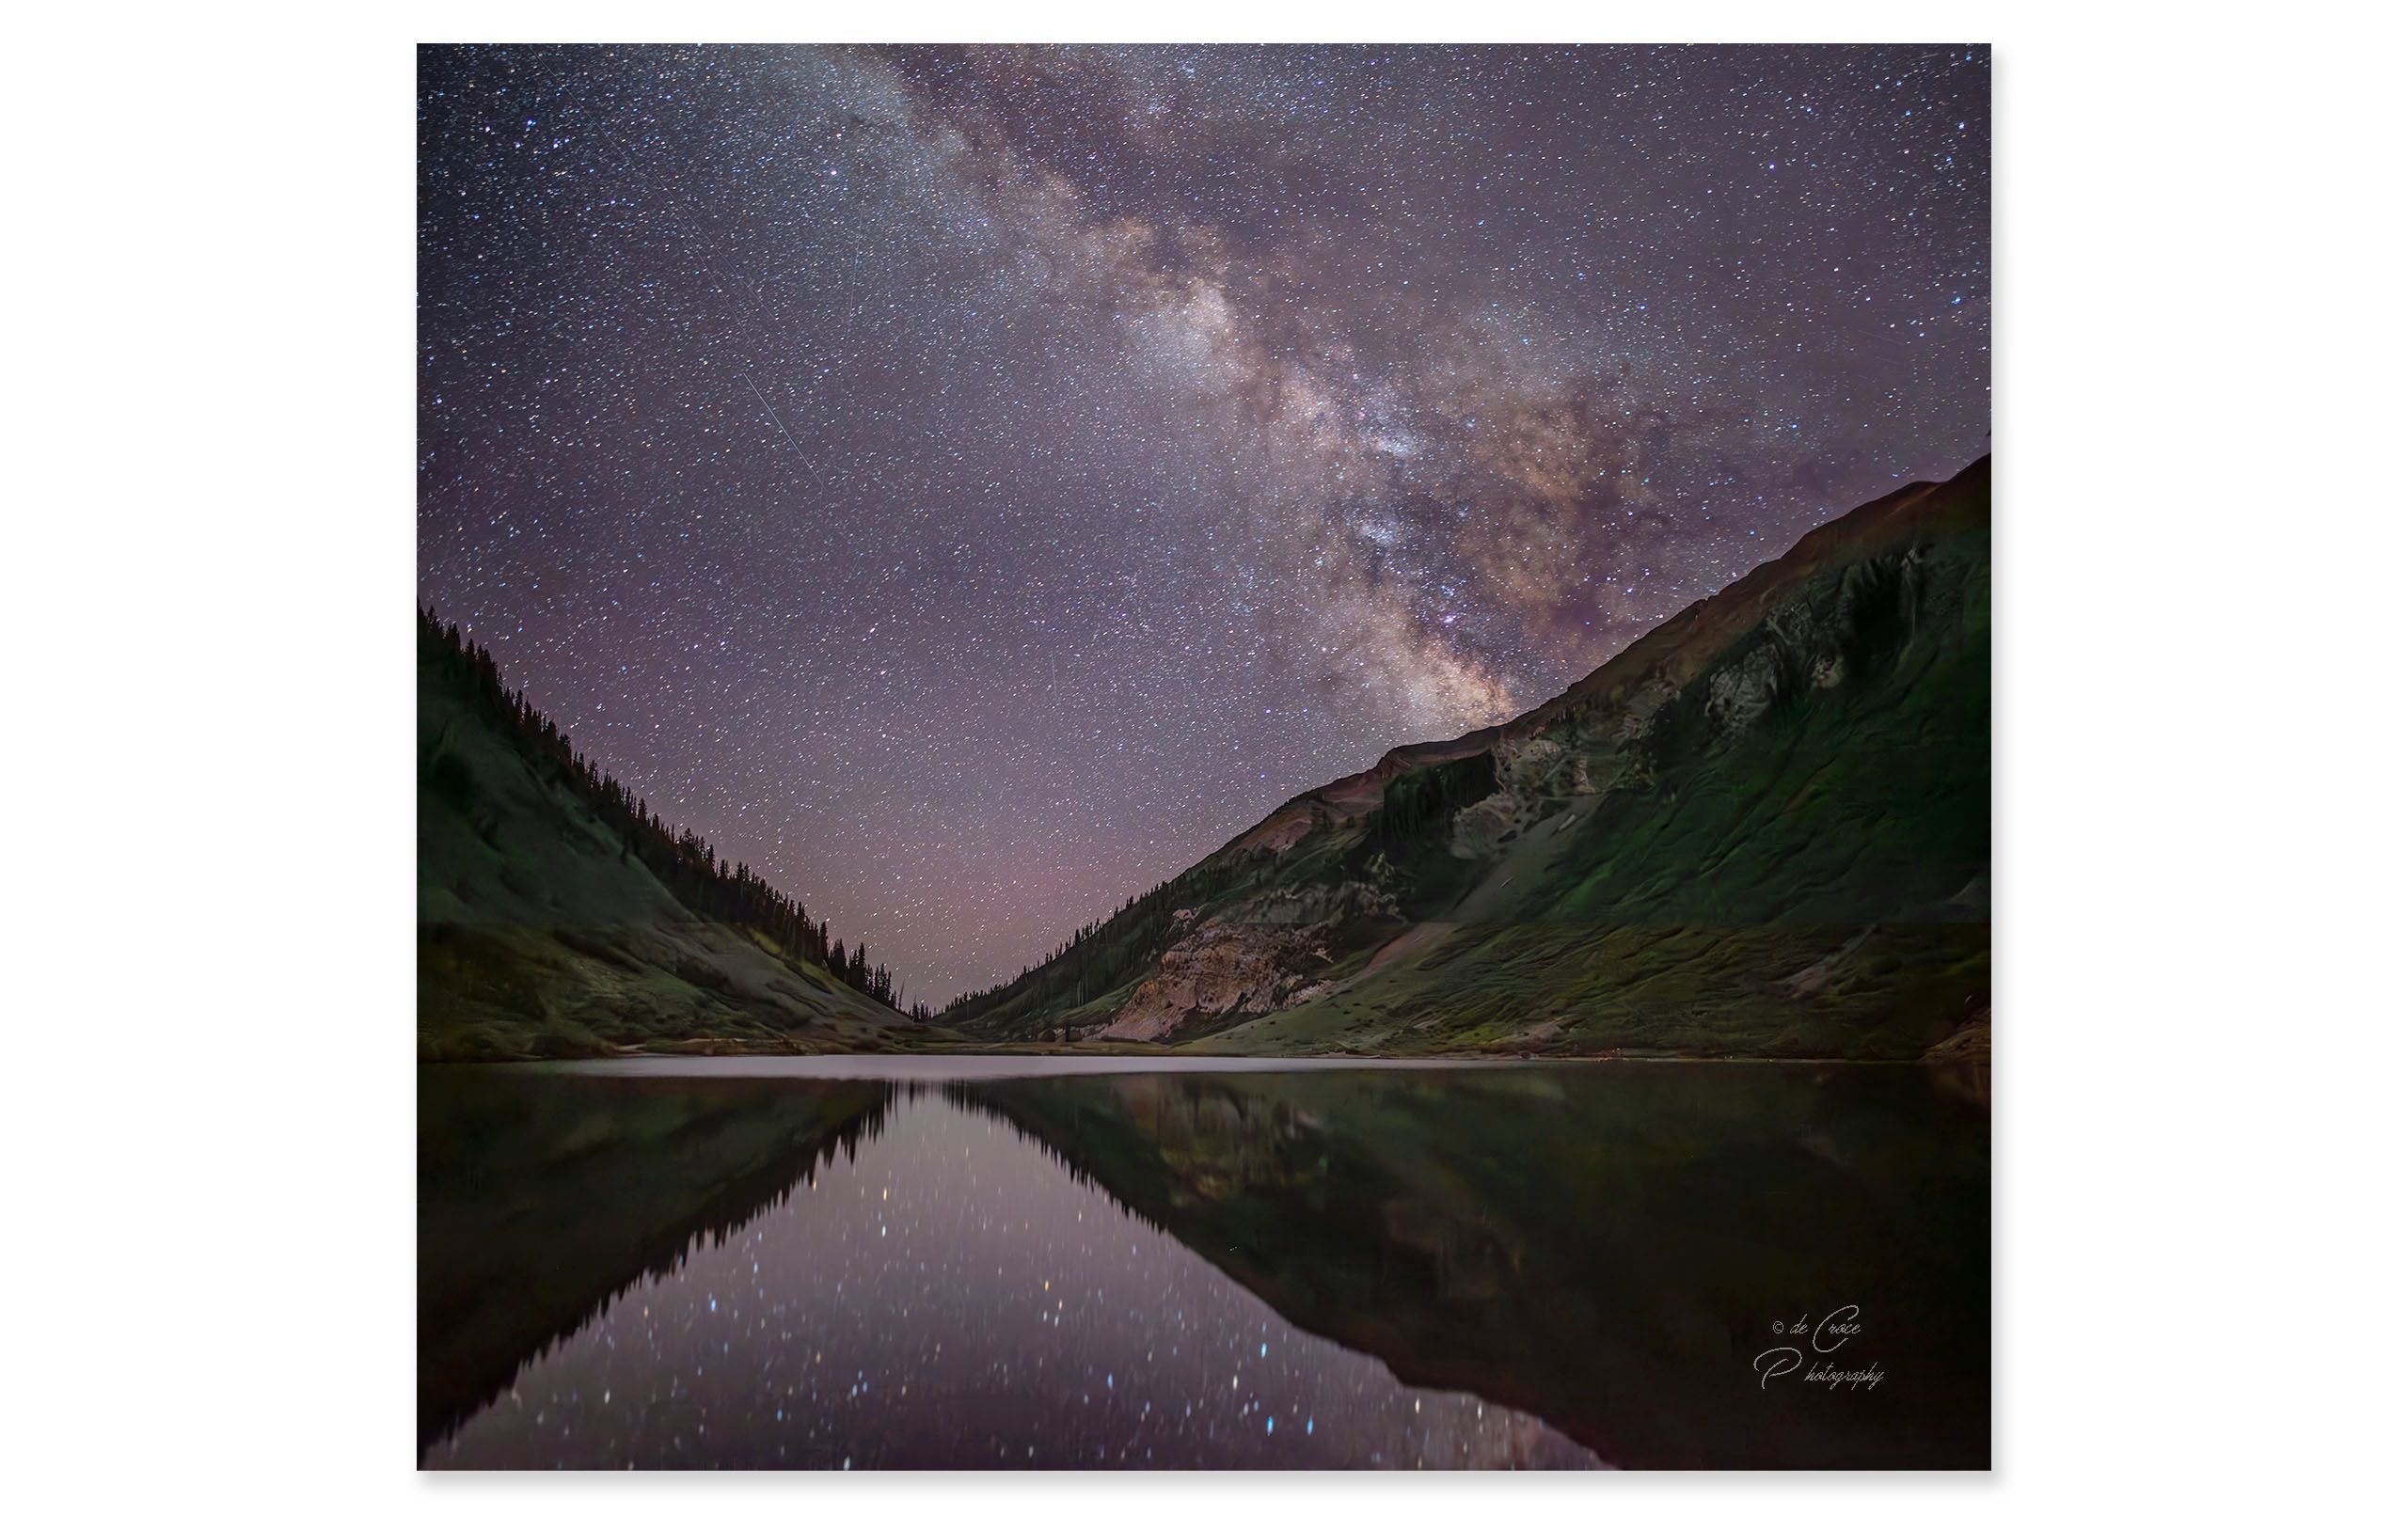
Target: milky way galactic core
{"type": "Point", "coordinates": [970, 484]}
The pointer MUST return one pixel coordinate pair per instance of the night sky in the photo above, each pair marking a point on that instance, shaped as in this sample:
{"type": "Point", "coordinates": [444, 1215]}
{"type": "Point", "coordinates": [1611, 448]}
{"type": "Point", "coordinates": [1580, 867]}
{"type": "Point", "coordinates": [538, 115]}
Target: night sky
{"type": "Point", "coordinates": [971, 485]}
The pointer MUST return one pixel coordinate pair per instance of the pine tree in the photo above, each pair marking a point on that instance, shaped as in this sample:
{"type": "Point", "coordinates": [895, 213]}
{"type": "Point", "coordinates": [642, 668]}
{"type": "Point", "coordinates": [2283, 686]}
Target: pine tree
{"type": "Point", "coordinates": [689, 864]}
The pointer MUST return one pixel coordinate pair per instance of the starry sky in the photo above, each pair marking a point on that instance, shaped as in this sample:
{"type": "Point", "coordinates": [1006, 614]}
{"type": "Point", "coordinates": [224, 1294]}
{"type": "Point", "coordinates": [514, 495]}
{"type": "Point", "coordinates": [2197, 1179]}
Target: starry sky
{"type": "Point", "coordinates": [971, 484]}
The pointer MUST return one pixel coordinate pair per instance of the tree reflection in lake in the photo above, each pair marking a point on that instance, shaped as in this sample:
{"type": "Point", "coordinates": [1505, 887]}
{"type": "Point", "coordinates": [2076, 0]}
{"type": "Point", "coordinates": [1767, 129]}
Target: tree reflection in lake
{"type": "Point", "coordinates": [792, 1271]}
{"type": "Point", "coordinates": [539, 1199]}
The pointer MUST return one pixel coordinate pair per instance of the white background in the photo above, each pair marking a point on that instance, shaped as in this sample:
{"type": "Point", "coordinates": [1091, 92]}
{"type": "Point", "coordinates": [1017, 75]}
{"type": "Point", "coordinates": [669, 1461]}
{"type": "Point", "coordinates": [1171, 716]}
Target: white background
{"type": "Point", "coordinates": [209, 577]}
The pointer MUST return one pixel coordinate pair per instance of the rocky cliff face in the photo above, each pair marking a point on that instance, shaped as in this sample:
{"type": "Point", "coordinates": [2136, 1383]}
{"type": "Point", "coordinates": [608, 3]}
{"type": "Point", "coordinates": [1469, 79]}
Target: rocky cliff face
{"type": "Point", "coordinates": [1763, 828]}
{"type": "Point", "coordinates": [1220, 969]}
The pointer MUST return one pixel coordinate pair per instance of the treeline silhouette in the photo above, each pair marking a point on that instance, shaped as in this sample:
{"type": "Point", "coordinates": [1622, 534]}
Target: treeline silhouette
{"type": "Point", "coordinates": [692, 868]}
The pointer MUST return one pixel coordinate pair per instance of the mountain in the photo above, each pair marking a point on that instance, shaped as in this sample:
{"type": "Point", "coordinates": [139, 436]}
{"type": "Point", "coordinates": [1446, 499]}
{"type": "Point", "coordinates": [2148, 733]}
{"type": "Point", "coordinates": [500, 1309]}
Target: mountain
{"type": "Point", "coordinates": [1761, 829]}
{"type": "Point", "coordinates": [557, 916]}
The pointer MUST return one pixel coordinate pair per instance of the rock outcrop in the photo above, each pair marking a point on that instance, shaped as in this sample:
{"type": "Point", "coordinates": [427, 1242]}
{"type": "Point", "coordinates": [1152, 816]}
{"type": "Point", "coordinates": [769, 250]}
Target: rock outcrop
{"type": "Point", "coordinates": [1223, 971]}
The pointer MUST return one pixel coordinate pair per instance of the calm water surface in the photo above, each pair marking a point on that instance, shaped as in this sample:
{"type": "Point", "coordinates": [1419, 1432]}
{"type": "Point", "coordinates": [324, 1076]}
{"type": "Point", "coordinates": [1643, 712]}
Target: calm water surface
{"type": "Point", "coordinates": [1191, 1264]}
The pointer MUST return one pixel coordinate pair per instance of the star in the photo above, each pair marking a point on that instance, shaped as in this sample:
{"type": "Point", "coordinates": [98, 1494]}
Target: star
{"type": "Point", "coordinates": [918, 469]}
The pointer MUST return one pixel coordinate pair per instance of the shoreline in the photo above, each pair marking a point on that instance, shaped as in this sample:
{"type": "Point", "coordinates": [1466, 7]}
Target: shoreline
{"type": "Point", "coordinates": [1057, 1062]}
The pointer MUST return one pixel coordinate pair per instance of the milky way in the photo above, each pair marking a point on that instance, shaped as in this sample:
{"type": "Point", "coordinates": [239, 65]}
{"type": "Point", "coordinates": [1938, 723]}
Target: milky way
{"type": "Point", "coordinates": [972, 485]}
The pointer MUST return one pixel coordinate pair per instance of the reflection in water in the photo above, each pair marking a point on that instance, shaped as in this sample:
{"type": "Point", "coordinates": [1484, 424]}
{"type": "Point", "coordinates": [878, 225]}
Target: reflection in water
{"type": "Point", "coordinates": [1334, 1268]}
{"type": "Point", "coordinates": [1611, 1247]}
{"type": "Point", "coordinates": [952, 1297]}
{"type": "Point", "coordinates": [539, 1199]}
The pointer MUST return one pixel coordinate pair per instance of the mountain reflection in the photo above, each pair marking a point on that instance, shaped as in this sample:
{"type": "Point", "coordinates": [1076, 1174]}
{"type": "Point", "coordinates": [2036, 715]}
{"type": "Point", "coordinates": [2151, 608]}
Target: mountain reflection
{"type": "Point", "coordinates": [682, 1272]}
{"type": "Point", "coordinates": [541, 1199]}
{"type": "Point", "coordinates": [1608, 1247]}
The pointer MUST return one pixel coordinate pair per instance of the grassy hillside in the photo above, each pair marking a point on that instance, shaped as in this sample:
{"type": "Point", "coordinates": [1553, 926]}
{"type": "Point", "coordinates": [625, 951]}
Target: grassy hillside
{"type": "Point", "coordinates": [549, 924]}
{"type": "Point", "coordinates": [1762, 830]}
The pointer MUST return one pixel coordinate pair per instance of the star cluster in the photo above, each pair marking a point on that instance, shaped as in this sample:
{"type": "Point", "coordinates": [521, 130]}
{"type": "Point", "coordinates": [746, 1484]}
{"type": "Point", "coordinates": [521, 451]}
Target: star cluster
{"type": "Point", "coordinates": [970, 484]}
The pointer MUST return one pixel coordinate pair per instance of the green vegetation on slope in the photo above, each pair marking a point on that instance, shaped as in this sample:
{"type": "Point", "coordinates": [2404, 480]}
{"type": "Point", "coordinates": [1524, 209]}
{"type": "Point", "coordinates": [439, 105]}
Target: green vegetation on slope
{"type": "Point", "coordinates": [557, 916]}
{"type": "Point", "coordinates": [1764, 829]}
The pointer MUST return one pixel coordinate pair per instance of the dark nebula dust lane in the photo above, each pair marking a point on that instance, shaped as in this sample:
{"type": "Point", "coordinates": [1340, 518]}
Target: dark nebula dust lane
{"type": "Point", "coordinates": [970, 484]}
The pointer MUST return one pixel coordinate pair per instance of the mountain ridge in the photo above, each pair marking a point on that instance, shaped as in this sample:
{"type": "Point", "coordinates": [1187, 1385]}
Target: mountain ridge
{"type": "Point", "coordinates": [558, 915]}
{"type": "Point", "coordinates": [1868, 636]}
{"type": "Point", "coordinates": [1894, 510]}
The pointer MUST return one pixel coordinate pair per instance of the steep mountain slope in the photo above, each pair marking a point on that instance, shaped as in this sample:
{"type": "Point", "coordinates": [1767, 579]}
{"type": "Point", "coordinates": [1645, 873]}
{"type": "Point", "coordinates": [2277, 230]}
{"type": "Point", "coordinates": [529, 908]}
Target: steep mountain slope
{"type": "Point", "coordinates": [553, 922]}
{"type": "Point", "coordinates": [1764, 829]}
